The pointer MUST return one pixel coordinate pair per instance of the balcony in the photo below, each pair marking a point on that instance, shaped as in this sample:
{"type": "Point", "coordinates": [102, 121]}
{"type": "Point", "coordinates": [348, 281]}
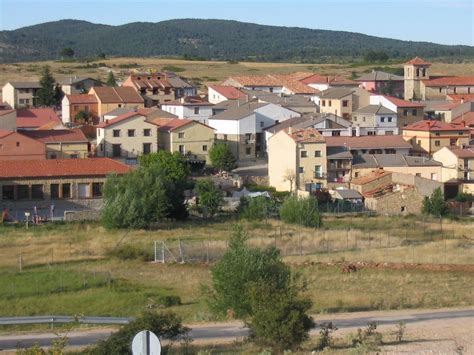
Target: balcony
{"type": "Point", "coordinates": [339, 166]}
{"type": "Point", "coordinates": [249, 141]}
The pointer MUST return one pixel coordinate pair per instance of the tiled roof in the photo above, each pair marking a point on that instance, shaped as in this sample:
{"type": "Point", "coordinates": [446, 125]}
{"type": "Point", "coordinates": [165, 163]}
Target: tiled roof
{"type": "Point", "coordinates": [60, 168]}
{"type": "Point", "coordinates": [331, 80]}
{"type": "Point", "coordinates": [35, 117]}
{"type": "Point", "coordinates": [391, 160]}
{"type": "Point", "coordinates": [57, 135]}
{"type": "Point", "coordinates": [374, 175]}
{"type": "Point", "coordinates": [295, 86]}
{"type": "Point", "coordinates": [75, 80]}
{"type": "Point", "coordinates": [402, 103]}
{"type": "Point", "coordinates": [18, 146]}
{"type": "Point", "coordinates": [434, 125]}
{"type": "Point", "coordinates": [463, 152]}
{"type": "Point", "coordinates": [418, 61]}
{"type": "Point", "coordinates": [169, 125]}
{"type": "Point", "coordinates": [256, 80]}
{"type": "Point", "coordinates": [375, 109]}
{"type": "Point", "coordinates": [467, 117]}
{"type": "Point", "coordinates": [450, 81]}
{"type": "Point", "coordinates": [335, 93]}
{"type": "Point", "coordinates": [188, 101]}
{"type": "Point", "coordinates": [377, 75]}
{"type": "Point", "coordinates": [461, 97]}
{"type": "Point", "coordinates": [118, 119]}
{"type": "Point", "coordinates": [108, 94]}
{"type": "Point", "coordinates": [237, 113]}
{"type": "Point", "coordinates": [228, 92]}
{"type": "Point", "coordinates": [25, 84]}
{"type": "Point", "coordinates": [82, 99]}
{"type": "Point", "coordinates": [307, 135]}
{"type": "Point", "coordinates": [368, 142]}
{"type": "Point", "coordinates": [5, 112]}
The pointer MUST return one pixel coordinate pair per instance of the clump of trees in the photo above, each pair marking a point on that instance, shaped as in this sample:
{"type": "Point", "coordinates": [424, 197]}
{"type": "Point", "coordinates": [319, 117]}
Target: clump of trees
{"type": "Point", "coordinates": [221, 157]}
{"type": "Point", "coordinates": [258, 287]}
{"type": "Point", "coordinates": [111, 79]}
{"type": "Point", "coordinates": [376, 56]}
{"type": "Point", "coordinates": [299, 210]}
{"type": "Point", "coordinates": [67, 52]}
{"type": "Point", "coordinates": [210, 198]}
{"type": "Point", "coordinates": [435, 205]}
{"type": "Point", "coordinates": [49, 94]}
{"type": "Point", "coordinates": [257, 208]}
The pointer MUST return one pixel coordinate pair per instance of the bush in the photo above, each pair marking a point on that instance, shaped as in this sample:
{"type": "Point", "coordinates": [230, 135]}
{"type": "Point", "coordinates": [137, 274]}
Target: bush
{"type": "Point", "coordinates": [435, 204]}
{"type": "Point", "coordinates": [325, 336]}
{"type": "Point", "coordinates": [256, 208]}
{"type": "Point", "coordinates": [464, 197]}
{"type": "Point", "coordinates": [303, 211]}
{"type": "Point", "coordinates": [210, 198]}
{"type": "Point", "coordinates": [169, 300]}
{"type": "Point", "coordinates": [131, 252]}
{"type": "Point", "coordinates": [221, 157]}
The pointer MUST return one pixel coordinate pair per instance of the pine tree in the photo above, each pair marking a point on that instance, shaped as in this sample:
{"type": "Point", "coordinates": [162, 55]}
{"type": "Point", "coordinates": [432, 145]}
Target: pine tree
{"type": "Point", "coordinates": [47, 94]}
{"type": "Point", "coordinates": [111, 79]}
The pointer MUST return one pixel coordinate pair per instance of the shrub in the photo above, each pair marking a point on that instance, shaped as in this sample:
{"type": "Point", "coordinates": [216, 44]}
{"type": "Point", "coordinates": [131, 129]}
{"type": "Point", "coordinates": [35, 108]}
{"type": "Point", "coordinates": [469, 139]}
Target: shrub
{"type": "Point", "coordinates": [256, 208]}
{"type": "Point", "coordinates": [464, 197]}
{"type": "Point", "coordinates": [210, 198]}
{"type": "Point", "coordinates": [435, 204]}
{"type": "Point", "coordinates": [131, 252]}
{"type": "Point", "coordinates": [325, 336]}
{"type": "Point", "coordinates": [303, 211]}
{"type": "Point", "coordinates": [221, 157]}
{"type": "Point", "coordinates": [168, 300]}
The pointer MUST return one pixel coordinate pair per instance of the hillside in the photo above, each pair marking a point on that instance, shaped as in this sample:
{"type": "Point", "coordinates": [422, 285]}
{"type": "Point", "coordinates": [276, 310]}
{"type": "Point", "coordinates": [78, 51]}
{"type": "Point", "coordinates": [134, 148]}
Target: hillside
{"type": "Point", "coordinates": [206, 39]}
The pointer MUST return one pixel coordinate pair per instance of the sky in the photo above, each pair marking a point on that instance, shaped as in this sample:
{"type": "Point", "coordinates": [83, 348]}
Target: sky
{"type": "Point", "coordinates": [439, 21]}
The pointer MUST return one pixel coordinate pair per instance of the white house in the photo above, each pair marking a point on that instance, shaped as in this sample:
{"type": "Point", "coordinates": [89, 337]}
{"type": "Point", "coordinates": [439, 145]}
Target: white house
{"type": "Point", "coordinates": [191, 108]}
{"type": "Point", "coordinates": [219, 93]}
{"type": "Point", "coordinates": [375, 120]}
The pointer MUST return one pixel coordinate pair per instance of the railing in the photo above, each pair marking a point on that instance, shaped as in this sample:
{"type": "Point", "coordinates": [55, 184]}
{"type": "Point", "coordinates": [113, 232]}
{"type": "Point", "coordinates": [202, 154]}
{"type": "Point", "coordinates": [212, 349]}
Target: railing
{"type": "Point", "coordinates": [63, 319]}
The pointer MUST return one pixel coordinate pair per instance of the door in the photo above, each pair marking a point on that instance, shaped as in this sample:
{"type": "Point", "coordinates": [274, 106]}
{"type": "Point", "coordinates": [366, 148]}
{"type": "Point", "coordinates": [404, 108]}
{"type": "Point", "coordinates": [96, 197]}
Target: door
{"type": "Point", "coordinates": [116, 150]}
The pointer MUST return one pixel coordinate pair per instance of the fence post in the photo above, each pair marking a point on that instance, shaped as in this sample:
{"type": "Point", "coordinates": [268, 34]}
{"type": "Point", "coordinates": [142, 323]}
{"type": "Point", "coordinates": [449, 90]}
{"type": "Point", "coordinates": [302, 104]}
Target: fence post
{"type": "Point", "coordinates": [207, 253]}
{"type": "Point", "coordinates": [347, 239]}
{"type": "Point", "coordinates": [21, 262]}
{"type": "Point", "coordinates": [155, 252]}
{"type": "Point", "coordinates": [181, 251]}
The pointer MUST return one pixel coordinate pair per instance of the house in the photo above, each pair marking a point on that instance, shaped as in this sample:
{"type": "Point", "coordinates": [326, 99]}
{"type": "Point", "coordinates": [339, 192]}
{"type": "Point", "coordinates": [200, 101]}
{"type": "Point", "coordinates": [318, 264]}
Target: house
{"type": "Point", "coordinates": [339, 166]}
{"type": "Point", "coordinates": [158, 88]}
{"type": "Point", "coordinates": [298, 103]}
{"type": "Point", "coordinates": [62, 143]}
{"type": "Point", "coordinates": [255, 82]}
{"type": "Point", "coordinates": [382, 83]}
{"type": "Point", "coordinates": [412, 165]}
{"type": "Point", "coordinates": [190, 107]}
{"type": "Point", "coordinates": [127, 137]}
{"type": "Point", "coordinates": [190, 138]}
{"type": "Point", "coordinates": [51, 187]}
{"type": "Point", "coordinates": [375, 120]}
{"type": "Point", "coordinates": [80, 109]}
{"type": "Point", "coordinates": [407, 112]}
{"type": "Point", "coordinates": [219, 93]}
{"type": "Point", "coordinates": [75, 85]}
{"type": "Point", "coordinates": [336, 101]}
{"type": "Point", "coordinates": [109, 98]}
{"type": "Point", "coordinates": [453, 112]}
{"type": "Point", "coordinates": [419, 85]}
{"type": "Point", "coordinates": [371, 144]}
{"type": "Point", "coordinates": [297, 160]}
{"type": "Point", "coordinates": [352, 196]}
{"type": "Point", "coordinates": [37, 118]}
{"type": "Point", "coordinates": [429, 136]}
{"type": "Point", "coordinates": [8, 120]}
{"type": "Point", "coordinates": [20, 94]}
{"type": "Point", "coordinates": [323, 82]}
{"type": "Point", "coordinates": [16, 146]}
{"type": "Point", "coordinates": [149, 112]}
{"type": "Point", "coordinates": [458, 166]}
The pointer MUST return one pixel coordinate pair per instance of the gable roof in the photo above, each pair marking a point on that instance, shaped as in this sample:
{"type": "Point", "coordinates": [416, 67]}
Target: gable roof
{"type": "Point", "coordinates": [238, 113]}
{"type": "Point", "coordinates": [418, 61]}
{"type": "Point", "coordinates": [376, 110]}
{"type": "Point", "coordinates": [25, 84]}
{"type": "Point", "coordinates": [229, 92]}
{"type": "Point", "coordinates": [188, 101]}
{"type": "Point", "coordinates": [335, 93]}
{"type": "Point", "coordinates": [256, 80]}
{"type": "Point", "coordinates": [368, 142]}
{"type": "Point", "coordinates": [76, 80]}
{"type": "Point", "coordinates": [307, 135]}
{"type": "Point", "coordinates": [433, 126]}
{"type": "Point", "coordinates": [462, 152]}
{"type": "Point", "coordinates": [450, 81]}
{"type": "Point", "coordinates": [107, 94]}
{"type": "Point", "coordinates": [377, 75]}
{"type": "Point", "coordinates": [460, 97]}
{"type": "Point", "coordinates": [125, 116]}
{"type": "Point", "coordinates": [5, 112]}
{"type": "Point", "coordinates": [402, 103]}
{"type": "Point", "coordinates": [391, 160]}
{"type": "Point", "coordinates": [373, 176]}
{"type": "Point", "coordinates": [467, 118]}
{"type": "Point", "coordinates": [170, 125]}
{"type": "Point", "coordinates": [81, 99]}
{"type": "Point", "coordinates": [26, 147]}
{"type": "Point", "coordinates": [331, 80]}
{"type": "Point", "coordinates": [57, 135]}
{"type": "Point", "coordinates": [293, 85]}
{"type": "Point", "coordinates": [35, 117]}
{"type": "Point", "coordinates": [60, 168]}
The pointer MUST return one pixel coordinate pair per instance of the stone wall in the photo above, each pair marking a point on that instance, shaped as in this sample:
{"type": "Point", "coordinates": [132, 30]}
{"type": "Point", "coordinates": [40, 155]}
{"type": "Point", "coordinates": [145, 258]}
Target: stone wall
{"type": "Point", "coordinates": [90, 215]}
{"type": "Point", "coordinates": [401, 202]}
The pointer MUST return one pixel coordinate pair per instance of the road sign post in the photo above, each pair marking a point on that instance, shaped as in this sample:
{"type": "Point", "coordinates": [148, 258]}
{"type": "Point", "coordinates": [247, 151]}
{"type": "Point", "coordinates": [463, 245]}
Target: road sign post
{"type": "Point", "coordinates": [146, 343]}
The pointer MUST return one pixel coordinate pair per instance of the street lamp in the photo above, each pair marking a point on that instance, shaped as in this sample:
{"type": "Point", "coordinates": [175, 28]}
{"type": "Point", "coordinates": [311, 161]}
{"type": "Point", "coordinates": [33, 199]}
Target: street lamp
{"type": "Point", "coordinates": [27, 216]}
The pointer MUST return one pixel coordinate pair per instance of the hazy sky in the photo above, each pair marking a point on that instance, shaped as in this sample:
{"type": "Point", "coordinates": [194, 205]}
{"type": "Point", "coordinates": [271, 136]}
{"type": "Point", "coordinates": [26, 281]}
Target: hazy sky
{"type": "Point", "coordinates": [441, 21]}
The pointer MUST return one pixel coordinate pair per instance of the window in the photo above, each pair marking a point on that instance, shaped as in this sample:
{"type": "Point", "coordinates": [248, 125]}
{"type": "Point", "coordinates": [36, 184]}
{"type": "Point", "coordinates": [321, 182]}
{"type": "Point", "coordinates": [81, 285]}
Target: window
{"type": "Point", "coordinates": [66, 189]}
{"type": "Point", "coordinates": [261, 124]}
{"type": "Point", "coordinates": [317, 154]}
{"type": "Point", "coordinates": [22, 192]}
{"type": "Point", "coordinates": [323, 103]}
{"type": "Point", "coordinates": [390, 119]}
{"type": "Point", "coordinates": [329, 103]}
{"type": "Point", "coordinates": [76, 107]}
{"type": "Point", "coordinates": [146, 148]}
{"type": "Point", "coordinates": [182, 149]}
{"type": "Point", "coordinates": [418, 174]}
{"type": "Point", "coordinates": [382, 119]}
{"type": "Point", "coordinates": [54, 194]}
{"type": "Point", "coordinates": [181, 135]}
{"type": "Point", "coordinates": [303, 154]}
{"type": "Point", "coordinates": [225, 137]}
{"type": "Point", "coordinates": [248, 136]}
{"type": "Point", "coordinates": [74, 156]}
{"type": "Point", "coordinates": [335, 133]}
{"type": "Point", "coordinates": [8, 192]}
{"type": "Point", "coordinates": [389, 133]}
{"type": "Point", "coordinates": [248, 151]}
{"type": "Point", "coordinates": [97, 189]}
{"type": "Point", "coordinates": [204, 148]}
{"type": "Point", "coordinates": [271, 89]}
{"type": "Point", "coordinates": [363, 119]}
{"type": "Point", "coordinates": [196, 110]}
{"type": "Point", "coordinates": [116, 150]}
{"type": "Point", "coordinates": [301, 169]}
{"type": "Point", "coordinates": [405, 112]}
{"type": "Point", "coordinates": [131, 133]}
{"type": "Point", "coordinates": [413, 112]}
{"type": "Point", "coordinates": [437, 143]}
{"type": "Point", "coordinates": [83, 190]}
{"type": "Point", "coordinates": [116, 133]}
{"type": "Point", "coordinates": [371, 133]}
{"type": "Point", "coordinates": [437, 134]}
{"type": "Point", "coordinates": [345, 103]}
{"type": "Point", "coordinates": [147, 132]}
{"type": "Point", "coordinates": [318, 171]}
{"type": "Point", "coordinates": [345, 116]}
{"type": "Point", "coordinates": [37, 192]}
{"type": "Point", "coordinates": [434, 176]}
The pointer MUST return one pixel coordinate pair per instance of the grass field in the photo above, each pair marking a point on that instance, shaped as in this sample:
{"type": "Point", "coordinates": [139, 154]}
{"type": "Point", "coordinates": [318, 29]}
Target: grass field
{"type": "Point", "coordinates": [69, 269]}
{"type": "Point", "coordinates": [204, 72]}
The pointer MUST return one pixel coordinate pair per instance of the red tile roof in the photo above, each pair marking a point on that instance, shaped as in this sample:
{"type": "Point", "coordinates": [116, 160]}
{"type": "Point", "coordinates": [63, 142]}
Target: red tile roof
{"type": "Point", "coordinates": [418, 61]}
{"type": "Point", "coordinates": [5, 112]}
{"type": "Point", "coordinates": [467, 118]}
{"type": "Point", "coordinates": [122, 94]}
{"type": "Point", "coordinates": [434, 125]}
{"type": "Point", "coordinates": [82, 99]}
{"type": "Point", "coordinates": [171, 124]}
{"type": "Point", "coordinates": [60, 168]}
{"type": "Point", "coordinates": [229, 92]}
{"type": "Point", "coordinates": [35, 117]}
{"type": "Point", "coordinates": [15, 146]}
{"type": "Point", "coordinates": [332, 80]}
{"type": "Point", "coordinates": [120, 118]}
{"type": "Point", "coordinates": [57, 135]}
{"type": "Point", "coordinates": [460, 97]}
{"type": "Point", "coordinates": [463, 152]}
{"type": "Point", "coordinates": [368, 142]}
{"type": "Point", "coordinates": [450, 81]}
{"type": "Point", "coordinates": [295, 86]}
{"type": "Point", "coordinates": [402, 103]}
{"type": "Point", "coordinates": [373, 176]}
{"type": "Point", "coordinates": [307, 135]}
{"type": "Point", "coordinates": [256, 80]}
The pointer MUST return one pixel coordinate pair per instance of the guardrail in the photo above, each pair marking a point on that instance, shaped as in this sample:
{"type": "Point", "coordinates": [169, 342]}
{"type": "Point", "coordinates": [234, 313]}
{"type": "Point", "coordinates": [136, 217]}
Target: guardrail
{"type": "Point", "coordinates": [62, 319]}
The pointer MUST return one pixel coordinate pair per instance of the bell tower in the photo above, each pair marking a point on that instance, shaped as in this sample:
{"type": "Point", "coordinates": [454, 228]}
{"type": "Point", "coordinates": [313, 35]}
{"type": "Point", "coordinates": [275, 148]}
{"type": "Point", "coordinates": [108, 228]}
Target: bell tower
{"type": "Point", "coordinates": [415, 71]}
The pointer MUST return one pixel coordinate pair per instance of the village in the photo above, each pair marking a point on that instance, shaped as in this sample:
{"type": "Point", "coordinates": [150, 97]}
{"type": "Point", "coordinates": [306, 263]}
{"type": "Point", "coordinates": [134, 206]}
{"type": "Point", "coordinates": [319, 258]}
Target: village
{"type": "Point", "coordinates": [379, 142]}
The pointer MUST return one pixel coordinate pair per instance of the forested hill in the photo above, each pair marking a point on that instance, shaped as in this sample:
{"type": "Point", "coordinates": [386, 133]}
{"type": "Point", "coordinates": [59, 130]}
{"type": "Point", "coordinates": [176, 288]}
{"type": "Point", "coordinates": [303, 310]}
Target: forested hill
{"type": "Point", "coordinates": [207, 39]}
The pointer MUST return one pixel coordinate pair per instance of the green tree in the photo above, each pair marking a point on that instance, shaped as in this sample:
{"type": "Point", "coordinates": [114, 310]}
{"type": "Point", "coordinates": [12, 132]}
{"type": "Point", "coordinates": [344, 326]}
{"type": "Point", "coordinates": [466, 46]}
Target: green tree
{"type": "Point", "coordinates": [256, 208]}
{"type": "Point", "coordinates": [111, 79]}
{"type": "Point", "coordinates": [166, 326]}
{"type": "Point", "coordinates": [435, 205]}
{"type": "Point", "coordinates": [221, 157]}
{"type": "Point", "coordinates": [47, 94]}
{"type": "Point", "coordinates": [174, 165]}
{"type": "Point", "coordinates": [67, 52]}
{"type": "Point", "coordinates": [304, 211]}
{"type": "Point", "coordinates": [210, 198]}
{"type": "Point", "coordinates": [376, 56]}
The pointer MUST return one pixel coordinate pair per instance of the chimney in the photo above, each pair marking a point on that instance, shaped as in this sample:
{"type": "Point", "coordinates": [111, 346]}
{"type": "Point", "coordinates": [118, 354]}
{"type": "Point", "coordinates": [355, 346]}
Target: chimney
{"type": "Point", "coordinates": [290, 130]}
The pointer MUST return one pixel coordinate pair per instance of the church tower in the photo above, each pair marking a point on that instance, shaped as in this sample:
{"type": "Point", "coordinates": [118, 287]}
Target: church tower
{"type": "Point", "coordinates": [415, 70]}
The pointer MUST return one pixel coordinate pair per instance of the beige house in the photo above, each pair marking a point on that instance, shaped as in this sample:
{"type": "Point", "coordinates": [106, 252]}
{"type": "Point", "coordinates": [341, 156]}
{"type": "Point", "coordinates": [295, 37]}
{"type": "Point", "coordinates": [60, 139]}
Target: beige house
{"type": "Point", "coordinates": [8, 120]}
{"type": "Point", "coordinates": [127, 137]}
{"type": "Point", "coordinates": [188, 137]}
{"type": "Point", "coordinates": [458, 164]}
{"type": "Point", "coordinates": [110, 98]}
{"type": "Point", "coordinates": [20, 94]}
{"type": "Point", "coordinates": [297, 160]}
{"type": "Point", "coordinates": [337, 101]}
{"type": "Point", "coordinates": [62, 143]}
